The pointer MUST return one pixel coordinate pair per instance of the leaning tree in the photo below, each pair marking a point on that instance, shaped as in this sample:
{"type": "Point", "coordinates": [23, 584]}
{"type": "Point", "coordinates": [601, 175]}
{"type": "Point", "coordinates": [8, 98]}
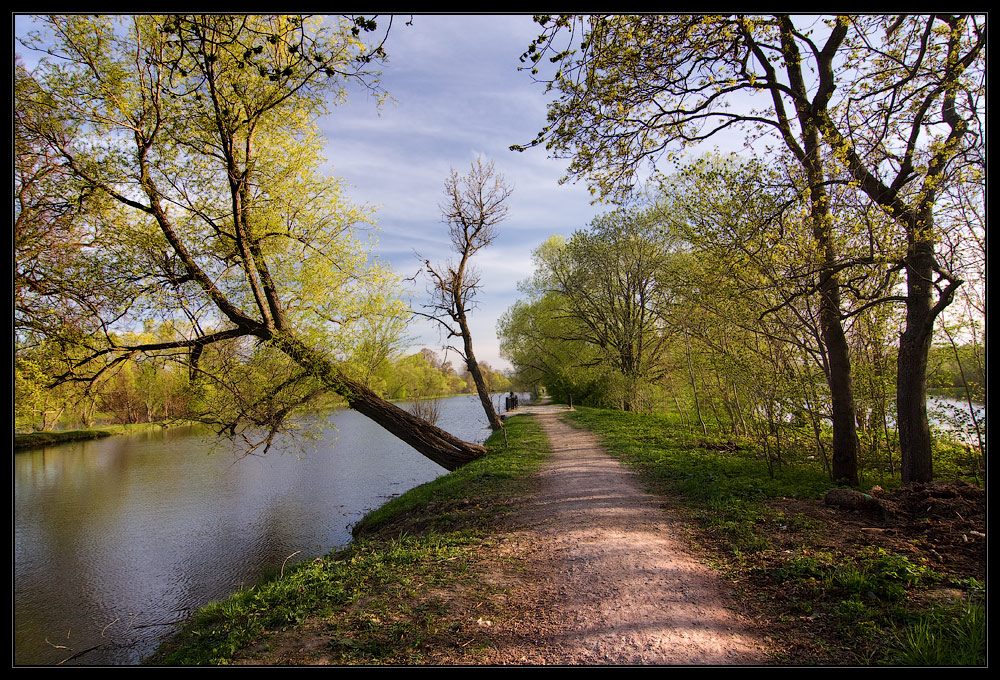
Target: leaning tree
{"type": "Point", "coordinates": [200, 132]}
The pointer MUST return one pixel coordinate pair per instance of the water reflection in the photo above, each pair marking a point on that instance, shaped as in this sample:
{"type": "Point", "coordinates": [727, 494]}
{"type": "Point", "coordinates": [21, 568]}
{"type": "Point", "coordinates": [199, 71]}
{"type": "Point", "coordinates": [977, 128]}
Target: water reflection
{"type": "Point", "coordinates": [115, 539]}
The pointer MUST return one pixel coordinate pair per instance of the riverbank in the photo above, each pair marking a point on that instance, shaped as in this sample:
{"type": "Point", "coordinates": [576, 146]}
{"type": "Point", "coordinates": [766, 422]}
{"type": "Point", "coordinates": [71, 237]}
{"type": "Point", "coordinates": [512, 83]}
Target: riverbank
{"type": "Point", "coordinates": [34, 440]}
{"type": "Point", "coordinates": [447, 573]}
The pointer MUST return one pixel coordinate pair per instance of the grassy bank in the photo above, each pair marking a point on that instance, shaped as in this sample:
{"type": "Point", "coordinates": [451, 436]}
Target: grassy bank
{"type": "Point", "coordinates": [33, 440]}
{"type": "Point", "coordinates": [392, 595]}
{"type": "Point", "coordinates": [834, 587]}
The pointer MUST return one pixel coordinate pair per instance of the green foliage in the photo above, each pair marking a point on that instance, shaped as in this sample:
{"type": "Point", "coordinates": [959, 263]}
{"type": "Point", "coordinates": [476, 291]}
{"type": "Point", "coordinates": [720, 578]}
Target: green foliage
{"type": "Point", "coordinates": [217, 96]}
{"type": "Point", "coordinates": [597, 311]}
{"type": "Point", "coordinates": [536, 336]}
{"type": "Point", "coordinates": [872, 575]}
{"type": "Point", "coordinates": [199, 134]}
{"type": "Point", "coordinates": [952, 370]}
{"type": "Point", "coordinates": [947, 636]}
{"type": "Point", "coordinates": [878, 193]}
{"type": "Point", "coordinates": [735, 328]}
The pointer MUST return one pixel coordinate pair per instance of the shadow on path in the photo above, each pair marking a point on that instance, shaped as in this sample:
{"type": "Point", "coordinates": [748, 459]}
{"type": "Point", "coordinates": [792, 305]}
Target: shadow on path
{"type": "Point", "coordinates": [610, 582]}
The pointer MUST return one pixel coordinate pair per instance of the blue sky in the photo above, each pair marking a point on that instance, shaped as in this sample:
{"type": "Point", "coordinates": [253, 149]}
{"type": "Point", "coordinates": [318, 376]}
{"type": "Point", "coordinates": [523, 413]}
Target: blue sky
{"type": "Point", "coordinates": [458, 95]}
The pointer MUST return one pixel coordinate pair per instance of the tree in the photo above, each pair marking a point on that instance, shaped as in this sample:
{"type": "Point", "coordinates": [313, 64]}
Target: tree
{"type": "Point", "coordinates": [201, 133]}
{"type": "Point", "coordinates": [851, 92]}
{"type": "Point", "coordinates": [475, 205]}
{"type": "Point", "coordinates": [641, 85]}
{"type": "Point", "coordinates": [541, 340]}
{"type": "Point", "coordinates": [910, 118]}
{"type": "Point", "coordinates": [57, 281]}
{"type": "Point", "coordinates": [611, 279]}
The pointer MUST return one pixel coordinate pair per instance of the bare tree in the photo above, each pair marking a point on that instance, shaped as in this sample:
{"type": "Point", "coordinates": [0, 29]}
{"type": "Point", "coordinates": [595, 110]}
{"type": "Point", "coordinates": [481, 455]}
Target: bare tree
{"type": "Point", "coordinates": [475, 204]}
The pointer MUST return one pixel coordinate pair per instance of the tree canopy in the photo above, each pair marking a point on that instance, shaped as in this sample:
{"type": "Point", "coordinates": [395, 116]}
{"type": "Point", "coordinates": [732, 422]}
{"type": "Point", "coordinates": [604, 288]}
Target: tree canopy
{"type": "Point", "coordinates": [199, 135]}
{"type": "Point", "coordinates": [889, 107]}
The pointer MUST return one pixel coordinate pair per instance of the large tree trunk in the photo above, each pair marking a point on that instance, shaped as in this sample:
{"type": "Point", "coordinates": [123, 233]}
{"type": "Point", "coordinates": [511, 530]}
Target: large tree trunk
{"type": "Point", "coordinates": [845, 434]}
{"type": "Point", "coordinates": [911, 381]}
{"type": "Point", "coordinates": [839, 379]}
{"type": "Point", "coordinates": [811, 113]}
{"type": "Point", "coordinates": [443, 448]}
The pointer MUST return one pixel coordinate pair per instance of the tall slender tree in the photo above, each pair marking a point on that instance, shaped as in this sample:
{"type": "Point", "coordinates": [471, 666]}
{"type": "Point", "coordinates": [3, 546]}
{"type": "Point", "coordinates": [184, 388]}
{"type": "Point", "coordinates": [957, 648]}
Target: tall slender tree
{"type": "Point", "coordinates": [475, 204]}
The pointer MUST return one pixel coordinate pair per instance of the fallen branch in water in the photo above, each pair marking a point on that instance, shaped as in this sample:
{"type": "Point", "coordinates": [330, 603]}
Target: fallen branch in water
{"type": "Point", "coordinates": [286, 560]}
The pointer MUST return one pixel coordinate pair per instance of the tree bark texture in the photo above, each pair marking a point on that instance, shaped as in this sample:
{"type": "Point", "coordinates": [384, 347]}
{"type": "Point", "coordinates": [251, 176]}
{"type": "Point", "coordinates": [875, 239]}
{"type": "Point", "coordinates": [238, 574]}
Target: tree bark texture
{"type": "Point", "coordinates": [911, 363]}
{"type": "Point", "coordinates": [477, 375]}
{"type": "Point", "coordinates": [445, 449]}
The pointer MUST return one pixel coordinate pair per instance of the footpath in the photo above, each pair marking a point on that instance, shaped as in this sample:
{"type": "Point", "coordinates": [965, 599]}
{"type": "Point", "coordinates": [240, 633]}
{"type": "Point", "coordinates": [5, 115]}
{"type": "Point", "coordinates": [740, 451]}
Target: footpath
{"type": "Point", "coordinates": [604, 578]}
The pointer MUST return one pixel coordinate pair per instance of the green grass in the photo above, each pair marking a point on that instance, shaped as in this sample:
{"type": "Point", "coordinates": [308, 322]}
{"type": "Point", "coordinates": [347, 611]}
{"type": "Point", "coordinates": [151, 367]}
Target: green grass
{"type": "Point", "coordinates": [374, 600]}
{"type": "Point", "coordinates": [471, 493]}
{"type": "Point", "coordinates": [944, 636]}
{"type": "Point", "coordinates": [31, 440]}
{"type": "Point", "coordinates": [351, 590]}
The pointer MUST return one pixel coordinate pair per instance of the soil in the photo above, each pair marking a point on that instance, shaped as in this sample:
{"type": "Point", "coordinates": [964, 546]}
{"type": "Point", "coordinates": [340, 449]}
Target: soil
{"type": "Point", "coordinates": [593, 570]}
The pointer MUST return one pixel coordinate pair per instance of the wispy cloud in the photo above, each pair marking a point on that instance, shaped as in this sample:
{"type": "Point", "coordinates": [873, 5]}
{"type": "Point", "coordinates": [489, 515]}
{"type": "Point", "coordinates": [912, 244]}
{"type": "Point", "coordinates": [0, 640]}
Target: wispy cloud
{"type": "Point", "coordinates": [458, 95]}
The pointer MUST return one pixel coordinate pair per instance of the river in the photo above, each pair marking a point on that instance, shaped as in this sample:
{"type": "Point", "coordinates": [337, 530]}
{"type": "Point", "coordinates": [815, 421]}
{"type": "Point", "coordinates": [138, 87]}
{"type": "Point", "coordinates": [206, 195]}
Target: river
{"type": "Point", "coordinates": [117, 540]}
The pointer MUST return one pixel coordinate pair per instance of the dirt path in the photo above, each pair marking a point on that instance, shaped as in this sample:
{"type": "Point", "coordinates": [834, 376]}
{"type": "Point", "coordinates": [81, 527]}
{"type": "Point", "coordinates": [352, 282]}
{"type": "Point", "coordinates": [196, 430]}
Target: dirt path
{"type": "Point", "coordinates": [603, 578]}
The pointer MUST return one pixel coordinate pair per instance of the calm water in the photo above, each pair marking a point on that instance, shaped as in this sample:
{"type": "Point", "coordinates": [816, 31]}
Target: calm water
{"type": "Point", "coordinates": [116, 540]}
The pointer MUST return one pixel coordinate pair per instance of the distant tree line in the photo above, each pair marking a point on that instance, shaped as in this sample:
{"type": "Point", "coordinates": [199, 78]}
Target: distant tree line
{"type": "Point", "coordinates": [159, 387]}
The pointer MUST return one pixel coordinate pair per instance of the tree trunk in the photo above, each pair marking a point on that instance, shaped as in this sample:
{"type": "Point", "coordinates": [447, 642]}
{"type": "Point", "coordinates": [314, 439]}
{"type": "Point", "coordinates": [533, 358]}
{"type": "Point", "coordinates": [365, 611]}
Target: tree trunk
{"type": "Point", "coordinates": [694, 387]}
{"type": "Point", "coordinates": [845, 433]}
{"type": "Point", "coordinates": [443, 448]}
{"type": "Point", "coordinates": [911, 379]}
{"type": "Point", "coordinates": [477, 377]}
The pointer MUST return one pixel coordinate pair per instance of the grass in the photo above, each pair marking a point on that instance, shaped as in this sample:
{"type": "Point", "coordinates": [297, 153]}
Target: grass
{"type": "Point", "coordinates": [944, 636]}
{"type": "Point", "coordinates": [30, 440]}
{"type": "Point", "coordinates": [859, 602]}
{"type": "Point", "coordinates": [387, 598]}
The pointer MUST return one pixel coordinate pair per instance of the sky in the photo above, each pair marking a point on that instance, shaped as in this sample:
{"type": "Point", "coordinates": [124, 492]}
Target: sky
{"type": "Point", "coordinates": [458, 95]}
